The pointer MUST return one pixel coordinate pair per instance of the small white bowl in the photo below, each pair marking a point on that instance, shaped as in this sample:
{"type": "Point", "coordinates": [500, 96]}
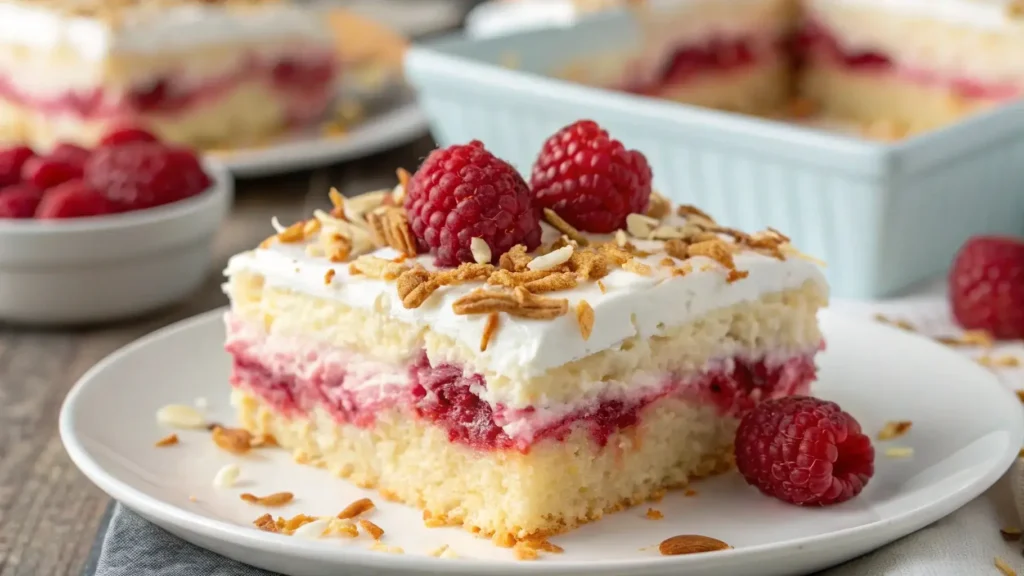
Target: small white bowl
{"type": "Point", "coordinates": [110, 267]}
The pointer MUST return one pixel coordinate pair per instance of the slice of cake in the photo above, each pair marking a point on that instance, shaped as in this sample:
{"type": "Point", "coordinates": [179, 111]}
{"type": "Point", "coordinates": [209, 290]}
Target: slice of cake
{"type": "Point", "coordinates": [924, 64]}
{"type": "Point", "coordinates": [518, 377]}
{"type": "Point", "coordinates": [194, 72]}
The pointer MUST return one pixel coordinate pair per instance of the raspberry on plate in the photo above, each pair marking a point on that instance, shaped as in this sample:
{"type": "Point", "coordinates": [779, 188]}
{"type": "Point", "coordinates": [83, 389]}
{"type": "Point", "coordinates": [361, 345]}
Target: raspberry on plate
{"type": "Point", "coordinates": [145, 174]}
{"type": "Point", "coordinates": [590, 179]}
{"type": "Point", "coordinates": [464, 192]}
{"type": "Point", "coordinates": [19, 201]}
{"type": "Point", "coordinates": [45, 172]}
{"type": "Point", "coordinates": [73, 199]}
{"type": "Point", "coordinates": [804, 451]}
{"type": "Point", "coordinates": [986, 286]}
{"type": "Point", "coordinates": [70, 153]}
{"type": "Point", "coordinates": [11, 162]}
{"type": "Point", "coordinates": [123, 136]}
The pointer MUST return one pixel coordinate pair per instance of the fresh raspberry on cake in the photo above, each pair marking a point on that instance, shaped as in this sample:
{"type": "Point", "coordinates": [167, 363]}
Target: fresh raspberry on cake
{"type": "Point", "coordinates": [804, 451]}
{"type": "Point", "coordinates": [19, 201]}
{"type": "Point", "coordinates": [145, 174]}
{"type": "Point", "coordinates": [464, 192]}
{"type": "Point", "coordinates": [73, 199]}
{"type": "Point", "coordinates": [11, 162]}
{"type": "Point", "coordinates": [70, 153]}
{"type": "Point", "coordinates": [986, 286]}
{"type": "Point", "coordinates": [590, 179]}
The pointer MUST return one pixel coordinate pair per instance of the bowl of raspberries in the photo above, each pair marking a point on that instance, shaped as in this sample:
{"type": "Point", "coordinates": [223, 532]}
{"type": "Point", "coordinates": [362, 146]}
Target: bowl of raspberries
{"type": "Point", "coordinates": [104, 233]}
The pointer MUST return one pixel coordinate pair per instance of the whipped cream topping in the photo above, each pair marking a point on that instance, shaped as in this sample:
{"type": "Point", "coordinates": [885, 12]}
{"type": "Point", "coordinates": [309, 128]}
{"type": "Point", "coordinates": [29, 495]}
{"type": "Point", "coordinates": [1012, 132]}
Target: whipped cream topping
{"type": "Point", "coordinates": [987, 14]}
{"type": "Point", "coordinates": [155, 28]}
{"type": "Point", "coordinates": [631, 305]}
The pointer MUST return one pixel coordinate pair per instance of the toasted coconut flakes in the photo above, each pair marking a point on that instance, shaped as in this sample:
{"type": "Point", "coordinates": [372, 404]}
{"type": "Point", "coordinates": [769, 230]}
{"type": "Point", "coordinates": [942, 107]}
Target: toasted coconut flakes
{"type": "Point", "coordinates": [1010, 534]}
{"type": "Point", "coordinates": [653, 514]}
{"type": "Point", "coordinates": [489, 329]}
{"type": "Point", "coordinates": [564, 227]}
{"type": "Point", "coordinates": [234, 440]}
{"type": "Point", "coordinates": [169, 440]}
{"type": "Point", "coordinates": [372, 529]}
{"type": "Point", "coordinates": [266, 523]}
{"type": "Point", "coordinates": [585, 318]}
{"type": "Point", "coordinates": [480, 249]}
{"type": "Point", "coordinates": [1004, 568]}
{"type": "Point", "coordinates": [272, 500]}
{"type": "Point", "coordinates": [356, 508]}
{"type": "Point", "coordinates": [899, 452]}
{"type": "Point", "coordinates": [1002, 361]}
{"type": "Point", "coordinates": [515, 260]}
{"type": "Point", "coordinates": [517, 303]}
{"type": "Point", "coordinates": [600, 286]}
{"type": "Point", "coordinates": [551, 260]}
{"type": "Point", "coordinates": [226, 476]}
{"type": "Point", "coordinates": [312, 530]}
{"type": "Point", "coordinates": [180, 416]}
{"type": "Point", "coordinates": [894, 429]}
{"type": "Point", "coordinates": [902, 324]}
{"type": "Point", "coordinates": [375, 267]}
{"type": "Point", "coordinates": [523, 552]}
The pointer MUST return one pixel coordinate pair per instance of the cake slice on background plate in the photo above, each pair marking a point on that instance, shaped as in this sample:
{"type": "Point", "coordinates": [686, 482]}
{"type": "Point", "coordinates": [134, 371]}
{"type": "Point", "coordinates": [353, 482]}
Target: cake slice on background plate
{"type": "Point", "coordinates": [518, 359]}
{"type": "Point", "coordinates": [206, 74]}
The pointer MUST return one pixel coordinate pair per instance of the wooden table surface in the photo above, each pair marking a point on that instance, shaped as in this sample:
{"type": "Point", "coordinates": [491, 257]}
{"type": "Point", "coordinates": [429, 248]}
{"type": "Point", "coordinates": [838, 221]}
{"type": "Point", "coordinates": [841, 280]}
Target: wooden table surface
{"type": "Point", "coordinates": [49, 512]}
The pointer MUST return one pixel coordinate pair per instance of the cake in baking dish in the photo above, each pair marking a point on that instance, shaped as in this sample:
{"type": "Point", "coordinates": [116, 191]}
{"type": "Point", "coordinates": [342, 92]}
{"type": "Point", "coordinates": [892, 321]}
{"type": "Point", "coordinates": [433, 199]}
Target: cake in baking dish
{"type": "Point", "coordinates": [919, 63]}
{"type": "Point", "coordinates": [194, 72]}
{"type": "Point", "coordinates": [513, 375]}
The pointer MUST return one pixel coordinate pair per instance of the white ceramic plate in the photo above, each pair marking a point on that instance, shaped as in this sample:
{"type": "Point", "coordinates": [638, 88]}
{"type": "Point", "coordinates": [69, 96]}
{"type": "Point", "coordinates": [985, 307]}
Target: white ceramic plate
{"type": "Point", "coordinates": [386, 130]}
{"type": "Point", "coordinates": [967, 430]}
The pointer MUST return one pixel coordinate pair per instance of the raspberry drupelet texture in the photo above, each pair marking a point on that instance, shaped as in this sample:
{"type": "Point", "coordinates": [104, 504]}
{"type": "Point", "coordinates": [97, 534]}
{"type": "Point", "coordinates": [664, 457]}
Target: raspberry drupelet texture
{"type": "Point", "coordinates": [986, 286]}
{"type": "Point", "coordinates": [804, 451]}
{"type": "Point", "coordinates": [464, 192]}
{"type": "Point", "coordinates": [590, 179]}
{"type": "Point", "coordinates": [143, 174]}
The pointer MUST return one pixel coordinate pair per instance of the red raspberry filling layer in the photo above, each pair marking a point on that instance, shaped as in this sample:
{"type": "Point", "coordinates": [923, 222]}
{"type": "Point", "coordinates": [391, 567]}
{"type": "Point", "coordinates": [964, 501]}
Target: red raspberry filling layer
{"type": "Point", "coordinates": [302, 80]}
{"type": "Point", "coordinates": [814, 42]}
{"type": "Point", "coordinates": [447, 396]}
{"type": "Point", "coordinates": [693, 60]}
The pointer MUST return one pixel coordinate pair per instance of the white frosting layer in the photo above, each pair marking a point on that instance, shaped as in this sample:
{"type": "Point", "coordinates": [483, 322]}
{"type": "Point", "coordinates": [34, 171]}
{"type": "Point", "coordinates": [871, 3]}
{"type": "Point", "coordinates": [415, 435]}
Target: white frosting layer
{"type": "Point", "coordinates": [156, 29]}
{"type": "Point", "coordinates": [988, 14]}
{"type": "Point", "coordinates": [632, 305]}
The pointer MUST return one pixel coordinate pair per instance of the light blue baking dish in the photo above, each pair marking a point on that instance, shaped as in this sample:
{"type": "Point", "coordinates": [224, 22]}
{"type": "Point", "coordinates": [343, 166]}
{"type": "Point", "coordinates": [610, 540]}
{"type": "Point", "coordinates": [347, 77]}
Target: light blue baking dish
{"type": "Point", "coordinates": [884, 216]}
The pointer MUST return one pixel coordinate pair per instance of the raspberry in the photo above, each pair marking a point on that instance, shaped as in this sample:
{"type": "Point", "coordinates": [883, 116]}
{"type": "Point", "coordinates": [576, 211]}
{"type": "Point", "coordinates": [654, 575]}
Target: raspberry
{"type": "Point", "coordinates": [804, 451]}
{"type": "Point", "coordinates": [464, 191]}
{"type": "Point", "coordinates": [45, 173]}
{"type": "Point", "coordinates": [126, 136]}
{"type": "Point", "coordinates": [70, 153]}
{"type": "Point", "coordinates": [145, 174]}
{"type": "Point", "coordinates": [73, 199]}
{"type": "Point", "coordinates": [19, 201]}
{"type": "Point", "coordinates": [11, 162]}
{"type": "Point", "coordinates": [590, 179]}
{"type": "Point", "coordinates": [986, 286]}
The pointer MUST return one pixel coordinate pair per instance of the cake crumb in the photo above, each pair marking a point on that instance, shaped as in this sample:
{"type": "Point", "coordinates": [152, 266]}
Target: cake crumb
{"type": "Point", "coordinates": [329, 275]}
{"type": "Point", "coordinates": [542, 543]}
{"type": "Point", "coordinates": [523, 552]}
{"type": "Point", "coordinates": [894, 429]}
{"type": "Point", "coordinates": [356, 508]}
{"type": "Point", "coordinates": [169, 440]}
{"type": "Point", "coordinates": [1004, 568]}
{"type": "Point", "coordinates": [600, 286]}
{"type": "Point", "coordinates": [585, 318]}
{"type": "Point", "coordinates": [372, 529]}
{"type": "Point", "coordinates": [192, 498]}
{"type": "Point", "coordinates": [899, 452]}
{"type": "Point", "coordinates": [264, 441]}
{"type": "Point", "coordinates": [266, 523]}
{"type": "Point", "coordinates": [444, 551]}
{"type": "Point", "coordinates": [503, 540]}
{"type": "Point", "coordinates": [690, 492]}
{"type": "Point", "coordinates": [1002, 361]}
{"type": "Point", "coordinates": [272, 500]}
{"type": "Point", "coordinates": [490, 327]}
{"type": "Point", "coordinates": [1020, 395]}
{"type": "Point", "coordinates": [653, 514]}
{"type": "Point", "coordinates": [1010, 534]}
{"type": "Point", "coordinates": [342, 528]}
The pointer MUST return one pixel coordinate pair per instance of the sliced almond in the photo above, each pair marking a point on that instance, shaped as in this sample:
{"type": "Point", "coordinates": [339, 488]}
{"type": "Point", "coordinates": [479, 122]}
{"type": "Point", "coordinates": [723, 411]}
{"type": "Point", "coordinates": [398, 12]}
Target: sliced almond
{"type": "Point", "coordinates": [480, 249]}
{"type": "Point", "coordinates": [640, 226]}
{"type": "Point", "coordinates": [226, 476]}
{"type": "Point", "coordinates": [356, 508]}
{"type": "Point", "coordinates": [180, 416]}
{"type": "Point", "coordinates": [312, 530]}
{"type": "Point", "coordinates": [551, 259]}
{"type": "Point", "coordinates": [275, 499]}
{"type": "Point", "coordinates": [691, 544]}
